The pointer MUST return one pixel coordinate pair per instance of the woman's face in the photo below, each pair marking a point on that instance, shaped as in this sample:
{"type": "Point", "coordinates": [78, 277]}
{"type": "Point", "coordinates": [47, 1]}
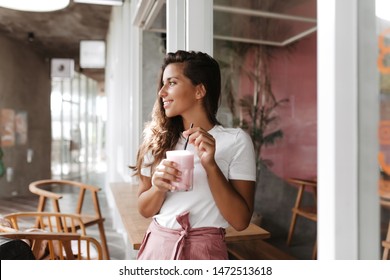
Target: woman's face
{"type": "Point", "coordinates": [178, 94]}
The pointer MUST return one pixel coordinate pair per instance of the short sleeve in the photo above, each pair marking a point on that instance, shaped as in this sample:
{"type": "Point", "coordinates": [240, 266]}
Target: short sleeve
{"type": "Point", "coordinates": [243, 164]}
{"type": "Point", "coordinates": [146, 170]}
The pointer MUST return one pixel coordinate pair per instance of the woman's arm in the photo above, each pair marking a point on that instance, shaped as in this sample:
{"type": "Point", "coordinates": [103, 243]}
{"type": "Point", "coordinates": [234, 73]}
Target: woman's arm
{"type": "Point", "coordinates": [150, 199]}
{"type": "Point", "coordinates": [152, 191]}
{"type": "Point", "coordinates": [234, 198]}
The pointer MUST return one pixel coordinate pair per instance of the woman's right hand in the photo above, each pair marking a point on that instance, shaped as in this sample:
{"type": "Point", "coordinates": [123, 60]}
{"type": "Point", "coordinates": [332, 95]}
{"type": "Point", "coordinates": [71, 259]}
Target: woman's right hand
{"type": "Point", "coordinates": [165, 173]}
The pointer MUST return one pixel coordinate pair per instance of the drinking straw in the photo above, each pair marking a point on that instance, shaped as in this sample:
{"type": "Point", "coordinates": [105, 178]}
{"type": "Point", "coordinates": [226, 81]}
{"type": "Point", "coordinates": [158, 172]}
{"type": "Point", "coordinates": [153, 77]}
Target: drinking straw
{"type": "Point", "coordinates": [188, 137]}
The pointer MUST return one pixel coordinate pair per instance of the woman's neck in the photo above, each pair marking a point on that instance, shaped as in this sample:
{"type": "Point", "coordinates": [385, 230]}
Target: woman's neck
{"type": "Point", "coordinates": [198, 122]}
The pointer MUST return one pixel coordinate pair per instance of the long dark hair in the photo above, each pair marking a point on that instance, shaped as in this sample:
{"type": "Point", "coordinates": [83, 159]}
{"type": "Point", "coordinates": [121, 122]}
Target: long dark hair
{"type": "Point", "coordinates": [162, 133]}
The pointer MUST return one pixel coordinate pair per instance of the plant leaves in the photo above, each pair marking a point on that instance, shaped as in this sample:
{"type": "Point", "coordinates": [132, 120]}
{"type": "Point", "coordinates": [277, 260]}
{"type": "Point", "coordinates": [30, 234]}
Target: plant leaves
{"type": "Point", "coordinates": [271, 138]}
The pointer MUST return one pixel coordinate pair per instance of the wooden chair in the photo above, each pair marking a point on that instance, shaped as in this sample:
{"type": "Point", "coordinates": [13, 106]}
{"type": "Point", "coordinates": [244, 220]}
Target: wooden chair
{"type": "Point", "coordinates": [61, 231]}
{"type": "Point", "coordinates": [59, 246]}
{"type": "Point", "coordinates": [43, 189]}
{"type": "Point", "coordinates": [308, 212]}
{"type": "Point", "coordinates": [46, 221]}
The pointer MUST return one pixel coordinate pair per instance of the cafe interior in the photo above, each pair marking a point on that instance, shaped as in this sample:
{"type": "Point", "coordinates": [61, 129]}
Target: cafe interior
{"type": "Point", "coordinates": [308, 80]}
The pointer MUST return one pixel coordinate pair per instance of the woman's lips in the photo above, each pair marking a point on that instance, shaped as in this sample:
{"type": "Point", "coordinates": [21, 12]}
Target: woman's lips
{"type": "Point", "coordinates": [167, 103]}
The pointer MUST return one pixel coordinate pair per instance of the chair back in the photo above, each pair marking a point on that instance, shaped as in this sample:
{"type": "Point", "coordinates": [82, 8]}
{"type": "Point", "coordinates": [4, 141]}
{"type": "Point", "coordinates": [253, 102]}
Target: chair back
{"type": "Point", "coordinates": [47, 221]}
{"type": "Point", "coordinates": [59, 246]}
{"type": "Point", "coordinates": [45, 190]}
{"type": "Point", "coordinates": [51, 192]}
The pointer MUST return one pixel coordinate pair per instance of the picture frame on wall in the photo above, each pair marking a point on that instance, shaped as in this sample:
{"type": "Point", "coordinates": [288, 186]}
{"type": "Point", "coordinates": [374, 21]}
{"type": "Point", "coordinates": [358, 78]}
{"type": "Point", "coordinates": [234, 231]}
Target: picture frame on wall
{"type": "Point", "coordinates": [7, 127]}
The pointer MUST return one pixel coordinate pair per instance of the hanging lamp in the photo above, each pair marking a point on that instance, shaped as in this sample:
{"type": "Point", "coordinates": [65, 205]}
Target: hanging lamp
{"type": "Point", "coordinates": [34, 6]}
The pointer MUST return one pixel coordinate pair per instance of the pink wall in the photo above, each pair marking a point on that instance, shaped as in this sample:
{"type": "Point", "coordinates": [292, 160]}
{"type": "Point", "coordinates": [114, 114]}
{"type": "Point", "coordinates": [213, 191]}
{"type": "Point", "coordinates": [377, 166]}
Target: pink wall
{"type": "Point", "coordinates": [294, 76]}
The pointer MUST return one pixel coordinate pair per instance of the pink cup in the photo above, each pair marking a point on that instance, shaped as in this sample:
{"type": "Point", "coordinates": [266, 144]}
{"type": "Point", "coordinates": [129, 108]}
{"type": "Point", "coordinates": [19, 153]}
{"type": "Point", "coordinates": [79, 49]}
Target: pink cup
{"type": "Point", "coordinates": [185, 161]}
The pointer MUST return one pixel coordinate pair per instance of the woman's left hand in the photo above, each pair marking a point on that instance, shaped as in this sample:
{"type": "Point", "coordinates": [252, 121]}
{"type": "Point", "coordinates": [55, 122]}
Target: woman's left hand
{"type": "Point", "coordinates": [204, 144]}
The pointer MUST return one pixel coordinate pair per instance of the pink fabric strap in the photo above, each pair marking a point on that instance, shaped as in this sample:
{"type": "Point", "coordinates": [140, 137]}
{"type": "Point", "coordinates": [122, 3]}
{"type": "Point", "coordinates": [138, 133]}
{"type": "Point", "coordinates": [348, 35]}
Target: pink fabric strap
{"type": "Point", "coordinates": [184, 222]}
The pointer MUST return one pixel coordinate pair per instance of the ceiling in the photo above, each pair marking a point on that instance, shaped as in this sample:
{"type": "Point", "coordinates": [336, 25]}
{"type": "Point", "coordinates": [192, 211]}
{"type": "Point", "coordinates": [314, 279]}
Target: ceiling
{"type": "Point", "coordinates": [58, 34]}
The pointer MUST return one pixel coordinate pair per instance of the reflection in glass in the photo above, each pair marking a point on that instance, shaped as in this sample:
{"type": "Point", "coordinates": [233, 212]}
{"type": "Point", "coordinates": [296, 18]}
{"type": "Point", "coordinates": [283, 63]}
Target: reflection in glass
{"type": "Point", "coordinates": [76, 148]}
{"type": "Point", "coordinates": [383, 33]}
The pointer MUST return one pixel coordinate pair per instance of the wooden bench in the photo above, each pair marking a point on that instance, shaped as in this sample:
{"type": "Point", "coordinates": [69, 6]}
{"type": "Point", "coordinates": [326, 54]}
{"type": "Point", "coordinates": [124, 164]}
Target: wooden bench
{"type": "Point", "coordinates": [256, 250]}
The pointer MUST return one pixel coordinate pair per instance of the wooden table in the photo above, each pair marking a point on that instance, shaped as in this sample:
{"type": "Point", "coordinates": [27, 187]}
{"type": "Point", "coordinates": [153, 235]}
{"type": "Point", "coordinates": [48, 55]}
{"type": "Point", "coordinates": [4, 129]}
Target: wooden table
{"type": "Point", "coordinates": [125, 195]}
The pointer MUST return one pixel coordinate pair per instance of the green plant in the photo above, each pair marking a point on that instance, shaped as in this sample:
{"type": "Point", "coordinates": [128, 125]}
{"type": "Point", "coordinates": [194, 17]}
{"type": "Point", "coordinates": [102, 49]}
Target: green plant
{"type": "Point", "coordinates": [258, 114]}
{"type": "Point", "coordinates": [255, 112]}
{"type": "Point", "coordinates": [261, 126]}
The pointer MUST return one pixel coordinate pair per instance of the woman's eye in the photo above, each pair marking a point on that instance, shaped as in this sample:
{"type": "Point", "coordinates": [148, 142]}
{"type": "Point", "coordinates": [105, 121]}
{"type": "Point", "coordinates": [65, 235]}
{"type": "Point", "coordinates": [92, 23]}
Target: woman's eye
{"type": "Point", "coordinates": [172, 83]}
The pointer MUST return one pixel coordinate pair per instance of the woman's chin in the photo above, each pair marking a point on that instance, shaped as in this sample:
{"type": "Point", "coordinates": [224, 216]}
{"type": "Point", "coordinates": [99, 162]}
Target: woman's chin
{"type": "Point", "coordinates": [170, 114]}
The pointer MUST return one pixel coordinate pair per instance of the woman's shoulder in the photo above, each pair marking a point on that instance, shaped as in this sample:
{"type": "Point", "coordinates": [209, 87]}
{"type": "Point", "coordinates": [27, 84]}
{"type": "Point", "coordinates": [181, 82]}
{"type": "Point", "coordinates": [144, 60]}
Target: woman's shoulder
{"type": "Point", "coordinates": [234, 133]}
{"type": "Point", "coordinates": [234, 145]}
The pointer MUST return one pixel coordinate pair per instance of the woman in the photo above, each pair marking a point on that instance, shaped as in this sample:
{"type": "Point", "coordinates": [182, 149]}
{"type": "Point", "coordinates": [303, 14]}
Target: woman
{"type": "Point", "coordinates": [190, 225]}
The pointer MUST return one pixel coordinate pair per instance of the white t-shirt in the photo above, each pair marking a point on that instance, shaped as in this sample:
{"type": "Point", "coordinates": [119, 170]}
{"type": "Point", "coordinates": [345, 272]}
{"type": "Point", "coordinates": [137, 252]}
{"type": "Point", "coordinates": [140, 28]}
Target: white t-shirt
{"type": "Point", "coordinates": [235, 157]}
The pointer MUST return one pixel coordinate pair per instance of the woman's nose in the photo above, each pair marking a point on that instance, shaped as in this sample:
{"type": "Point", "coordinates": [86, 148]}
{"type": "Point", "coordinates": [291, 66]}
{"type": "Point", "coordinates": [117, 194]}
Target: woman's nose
{"type": "Point", "coordinates": [162, 92]}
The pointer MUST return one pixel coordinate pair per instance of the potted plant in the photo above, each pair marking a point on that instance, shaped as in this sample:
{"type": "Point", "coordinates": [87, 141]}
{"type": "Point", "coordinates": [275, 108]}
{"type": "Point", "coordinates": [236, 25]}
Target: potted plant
{"type": "Point", "coordinates": [257, 110]}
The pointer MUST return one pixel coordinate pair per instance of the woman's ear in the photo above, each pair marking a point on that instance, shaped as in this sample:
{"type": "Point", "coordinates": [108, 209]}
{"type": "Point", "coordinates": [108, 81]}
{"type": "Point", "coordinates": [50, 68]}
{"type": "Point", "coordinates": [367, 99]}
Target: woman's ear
{"type": "Point", "coordinates": [200, 91]}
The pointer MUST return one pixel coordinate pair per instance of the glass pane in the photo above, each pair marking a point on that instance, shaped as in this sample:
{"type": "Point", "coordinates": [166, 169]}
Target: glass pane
{"type": "Point", "coordinates": [273, 22]}
{"type": "Point", "coordinates": [383, 32]}
{"type": "Point", "coordinates": [74, 121]}
{"type": "Point", "coordinates": [271, 92]}
{"type": "Point", "coordinates": [92, 90]}
{"type": "Point", "coordinates": [56, 109]}
{"type": "Point", "coordinates": [269, 22]}
{"type": "Point", "coordinates": [75, 90]}
{"type": "Point", "coordinates": [82, 124]}
{"type": "Point", "coordinates": [66, 90]}
{"type": "Point", "coordinates": [101, 109]}
{"type": "Point", "coordinates": [303, 8]}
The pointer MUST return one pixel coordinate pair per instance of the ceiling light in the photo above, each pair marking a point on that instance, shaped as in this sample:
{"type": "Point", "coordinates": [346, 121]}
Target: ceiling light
{"type": "Point", "coordinates": [101, 2]}
{"type": "Point", "coordinates": [382, 9]}
{"type": "Point", "coordinates": [92, 54]}
{"type": "Point", "coordinates": [35, 6]}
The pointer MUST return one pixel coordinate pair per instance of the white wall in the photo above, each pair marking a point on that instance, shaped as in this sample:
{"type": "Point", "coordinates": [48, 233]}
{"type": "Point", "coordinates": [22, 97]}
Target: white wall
{"type": "Point", "coordinates": [348, 220]}
{"type": "Point", "coordinates": [123, 88]}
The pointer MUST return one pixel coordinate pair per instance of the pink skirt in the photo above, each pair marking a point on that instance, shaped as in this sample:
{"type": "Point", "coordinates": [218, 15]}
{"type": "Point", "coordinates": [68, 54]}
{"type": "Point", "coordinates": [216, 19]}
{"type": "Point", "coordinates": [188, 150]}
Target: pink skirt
{"type": "Point", "coordinates": [162, 243]}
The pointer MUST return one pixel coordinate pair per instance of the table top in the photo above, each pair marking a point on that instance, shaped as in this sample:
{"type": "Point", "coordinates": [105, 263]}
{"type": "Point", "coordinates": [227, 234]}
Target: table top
{"type": "Point", "coordinates": [303, 181]}
{"type": "Point", "coordinates": [125, 195]}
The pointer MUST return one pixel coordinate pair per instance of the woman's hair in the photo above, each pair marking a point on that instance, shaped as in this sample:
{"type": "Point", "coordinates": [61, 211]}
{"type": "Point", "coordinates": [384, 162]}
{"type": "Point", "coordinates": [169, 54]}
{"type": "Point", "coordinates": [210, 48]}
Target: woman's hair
{"type": "Point", "coordinates": [162, 133]}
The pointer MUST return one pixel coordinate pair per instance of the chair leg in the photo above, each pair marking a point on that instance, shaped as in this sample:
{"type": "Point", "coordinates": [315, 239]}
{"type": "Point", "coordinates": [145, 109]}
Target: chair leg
{"type": "Point", "coordinates": [314, 254]}
{"type": "Point", "coordinates": [386, 249]}
{"type": "Point", "coordinates": [292, 226]}
{"type": "Point", "coordinates": [104, 241]}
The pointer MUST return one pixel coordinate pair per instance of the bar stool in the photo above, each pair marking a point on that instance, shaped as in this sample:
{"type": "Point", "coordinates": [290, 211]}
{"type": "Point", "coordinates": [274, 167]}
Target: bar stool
{"type": "Point", "coordinates": [308, 212]}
